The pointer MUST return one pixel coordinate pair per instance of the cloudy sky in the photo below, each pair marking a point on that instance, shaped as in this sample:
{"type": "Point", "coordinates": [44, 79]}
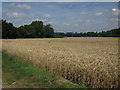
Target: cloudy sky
{"type": "Point", "coordinates": [60, 0]}
{"type": "Point", "coordinates": [64, 16]}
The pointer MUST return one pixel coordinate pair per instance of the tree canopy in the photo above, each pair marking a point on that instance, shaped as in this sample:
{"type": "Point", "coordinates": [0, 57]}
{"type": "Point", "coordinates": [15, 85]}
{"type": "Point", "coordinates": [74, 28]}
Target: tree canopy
{"type": "Point", "coordinates": [34, 30]}
{"type": "Point", "coordinates": [38, 30]}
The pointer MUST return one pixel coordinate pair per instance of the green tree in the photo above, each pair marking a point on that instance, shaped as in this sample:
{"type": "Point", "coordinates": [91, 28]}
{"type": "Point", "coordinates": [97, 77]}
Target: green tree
{"type": "Point", "coordinates": [38, 26]}
{"type": "Point", "coordinates": [8, 30]}
{"type": "Point", "coordinates": [48, 31]}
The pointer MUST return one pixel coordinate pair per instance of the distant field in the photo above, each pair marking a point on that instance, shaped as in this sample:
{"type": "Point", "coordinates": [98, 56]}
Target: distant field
{"type": "Point", "coordinates": [87, 60]}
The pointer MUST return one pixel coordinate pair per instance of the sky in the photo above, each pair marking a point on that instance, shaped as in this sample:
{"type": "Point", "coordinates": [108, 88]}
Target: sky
{"type": "Point", "coordinates": [60, 0]}
{"type": "Point", "coordinates": [64, 16]}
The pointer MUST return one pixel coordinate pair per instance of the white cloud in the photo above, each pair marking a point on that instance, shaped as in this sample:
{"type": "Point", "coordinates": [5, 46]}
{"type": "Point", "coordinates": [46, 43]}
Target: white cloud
{"type": "Point", "coordinates": [83, 13]}
{"type": "Point", "coordinates": [15, 15]}
{"type": "Point", "coordinates": [106, 10]}
{"type": "Point", "coordinates": [114, 19]}
{"type": "Point", "coordinates": [36, 20]}
{"type": "Point", "coordinates": [60, 0]}
{"type": "Point", "coordinates": [12, 5]}
{"type": "Point", "coordinates": [23, 6]}
{"type": "Point", "coordinates": [66, 24]}
{"type": "Point", "coordinates": [43, 20]}
{"type": "Point", "coordinates": [47, 16]}
{"type": "Point", "coordinates": [42, 0]}
{"type": "Point", "coordinates": [99, 14]}
{"type": "Point", "coordinates": [114, 9]}
{"type": "Point", "coordinates": [20, 6]}
{"type": "Point", "coordinates": [50, 22]}
{"type": "Point", "coordinates": [75, 25]}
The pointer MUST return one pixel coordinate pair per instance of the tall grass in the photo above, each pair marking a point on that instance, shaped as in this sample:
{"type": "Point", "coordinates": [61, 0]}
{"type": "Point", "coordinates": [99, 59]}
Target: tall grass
{"type": "Point", "coordinates": [22, 74]}
{"type": "Point", "coordinates": [89, 61]}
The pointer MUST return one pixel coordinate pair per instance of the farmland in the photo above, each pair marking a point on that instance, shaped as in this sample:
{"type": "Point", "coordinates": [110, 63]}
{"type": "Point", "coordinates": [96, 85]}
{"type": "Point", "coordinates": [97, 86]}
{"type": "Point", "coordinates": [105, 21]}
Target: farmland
{"type": "Point", "coordinates": [18, 73]}
{"type": "Point", "coordinates": [86, 60]}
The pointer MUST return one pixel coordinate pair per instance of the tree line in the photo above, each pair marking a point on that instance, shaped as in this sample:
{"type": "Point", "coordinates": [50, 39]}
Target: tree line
{"type": "Point", "coordinates": [34, 30]}
{"type": "Point", "coordinates": [109, 33]}
{"type": "Point", "coordinates": [38, 30]}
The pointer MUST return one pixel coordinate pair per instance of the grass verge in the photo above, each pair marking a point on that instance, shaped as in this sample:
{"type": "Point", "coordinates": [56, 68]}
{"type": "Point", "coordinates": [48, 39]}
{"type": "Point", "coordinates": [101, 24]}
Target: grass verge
{"type": "Point", "coordinates": [22, 74]}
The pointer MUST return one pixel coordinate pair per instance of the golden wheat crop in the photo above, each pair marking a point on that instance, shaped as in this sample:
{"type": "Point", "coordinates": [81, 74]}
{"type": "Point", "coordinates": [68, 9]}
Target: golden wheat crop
{"type": "Point", "coordinates": [89, 61]}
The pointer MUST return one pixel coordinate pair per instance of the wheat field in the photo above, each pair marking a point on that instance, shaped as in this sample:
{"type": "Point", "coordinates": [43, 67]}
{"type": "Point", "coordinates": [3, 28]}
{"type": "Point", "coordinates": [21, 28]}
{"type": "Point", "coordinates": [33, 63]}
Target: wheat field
{"type": "Point", "coordinates": [91, 61]}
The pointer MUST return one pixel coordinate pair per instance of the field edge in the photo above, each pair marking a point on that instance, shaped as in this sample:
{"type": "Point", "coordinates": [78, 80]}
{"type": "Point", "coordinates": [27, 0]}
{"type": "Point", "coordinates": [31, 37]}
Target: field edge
{"type": "Point", "coordinates": [18, 73]}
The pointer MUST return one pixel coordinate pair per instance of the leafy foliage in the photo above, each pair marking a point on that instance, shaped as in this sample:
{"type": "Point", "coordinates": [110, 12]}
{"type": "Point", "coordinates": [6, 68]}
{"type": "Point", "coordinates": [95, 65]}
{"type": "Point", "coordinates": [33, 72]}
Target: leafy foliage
{"type": "Point", "coordinates": [34, 30]}
{"type": "Point", "coordinates": [38, 30]}
{"type": "Point", "coordinates": [8, 30]}
{"type": "Point", "coordinates": [109, 33]}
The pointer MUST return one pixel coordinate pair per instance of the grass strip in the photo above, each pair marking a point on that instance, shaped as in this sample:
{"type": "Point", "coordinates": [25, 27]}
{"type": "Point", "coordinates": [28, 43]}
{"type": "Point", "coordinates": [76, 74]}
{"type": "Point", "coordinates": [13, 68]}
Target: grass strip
{"type": "Point", "coordinates": [18, 73]}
